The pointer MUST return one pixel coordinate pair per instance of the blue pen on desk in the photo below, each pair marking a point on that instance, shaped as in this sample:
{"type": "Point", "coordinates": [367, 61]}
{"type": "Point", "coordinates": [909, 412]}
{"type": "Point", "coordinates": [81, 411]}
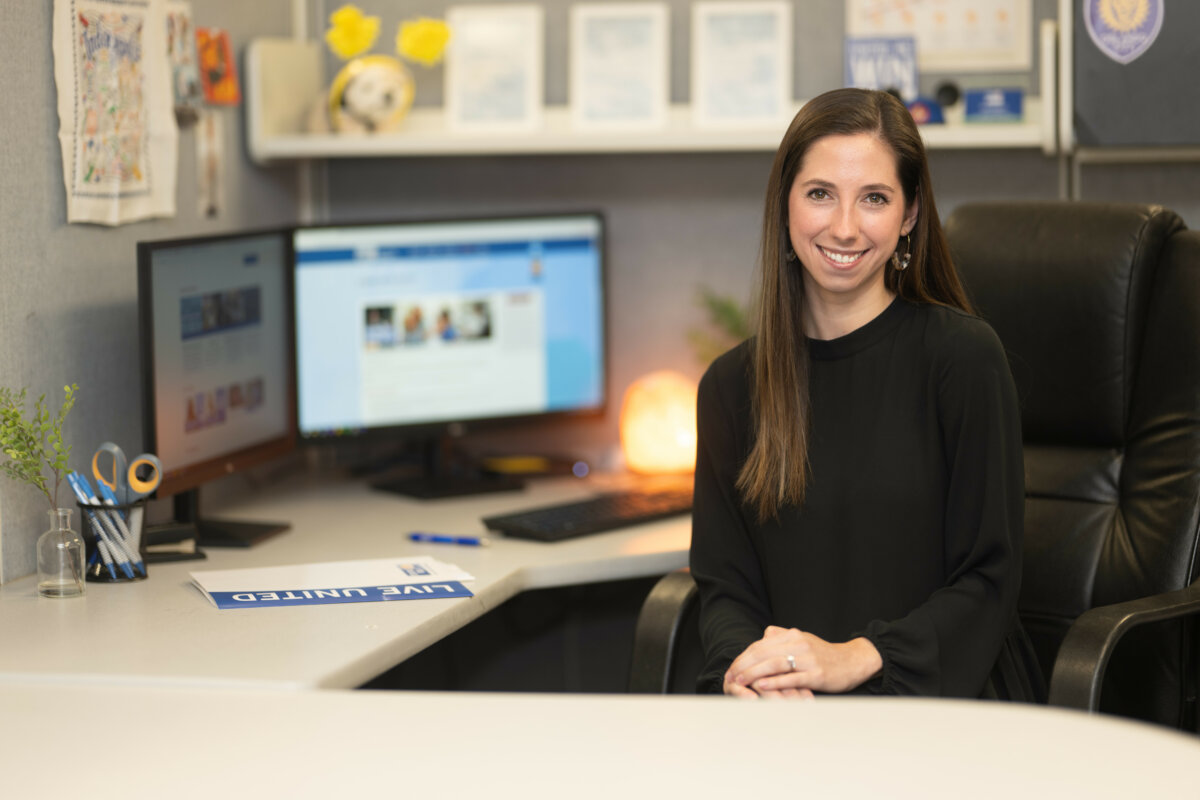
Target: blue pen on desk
{"type": "Point", "coordinates": [444, 538]}
{"type": "Point", "coordinates": [97, 528]}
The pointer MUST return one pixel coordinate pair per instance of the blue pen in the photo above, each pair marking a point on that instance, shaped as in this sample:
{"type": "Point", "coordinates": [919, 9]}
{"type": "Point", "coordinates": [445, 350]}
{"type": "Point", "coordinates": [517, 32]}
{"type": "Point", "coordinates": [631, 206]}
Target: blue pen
{"type": "Point", "coordinates": [131, 530]}
{"type": "Point", "coordinates": [442, 538]}
{"type": "Point", "coordinates": [97, 528]}
{"type": "Point", "coordinates": [110, 498]}
{"type": "Point", "coordinates": [128, 542]}
{"type": "Point", "coordinates": [113, 536]}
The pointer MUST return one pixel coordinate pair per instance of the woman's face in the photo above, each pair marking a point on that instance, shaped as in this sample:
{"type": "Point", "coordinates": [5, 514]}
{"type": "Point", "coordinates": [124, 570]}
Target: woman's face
{"type": "Point", "coordinates": [845, 215]}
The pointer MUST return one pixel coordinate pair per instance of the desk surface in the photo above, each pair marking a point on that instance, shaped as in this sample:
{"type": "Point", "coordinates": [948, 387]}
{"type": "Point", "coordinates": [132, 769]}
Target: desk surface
{"type": "Point", "coordinates": [164, 631]}
{"type": "Point", "coordinates": [189, 743]}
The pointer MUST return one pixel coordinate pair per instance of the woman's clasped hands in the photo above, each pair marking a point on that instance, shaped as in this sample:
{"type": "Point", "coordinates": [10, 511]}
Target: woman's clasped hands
{"type": "Point", "coordinates": [787, 663]}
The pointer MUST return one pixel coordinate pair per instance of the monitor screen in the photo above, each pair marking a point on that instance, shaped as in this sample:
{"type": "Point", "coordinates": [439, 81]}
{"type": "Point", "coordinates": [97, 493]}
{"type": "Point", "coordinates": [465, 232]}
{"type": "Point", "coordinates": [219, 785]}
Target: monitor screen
{"type": "Point", "coordinates": [427, 323]}
{"type": "Point", "coordinates": [216, 332]}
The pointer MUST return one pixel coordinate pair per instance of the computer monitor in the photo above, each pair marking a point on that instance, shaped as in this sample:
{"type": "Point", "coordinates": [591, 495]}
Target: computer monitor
{"type": "Point", "coordinates": [218, 386]}
{"type": "Point", "coordinates": [420, 328]}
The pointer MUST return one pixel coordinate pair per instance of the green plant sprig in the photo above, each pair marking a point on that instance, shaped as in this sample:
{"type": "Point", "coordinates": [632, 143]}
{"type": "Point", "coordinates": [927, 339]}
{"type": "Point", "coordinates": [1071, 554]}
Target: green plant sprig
{"type": "Point", "coordinates": [35, 443]}
{"type": "Point", "coordinates": [728, 324]}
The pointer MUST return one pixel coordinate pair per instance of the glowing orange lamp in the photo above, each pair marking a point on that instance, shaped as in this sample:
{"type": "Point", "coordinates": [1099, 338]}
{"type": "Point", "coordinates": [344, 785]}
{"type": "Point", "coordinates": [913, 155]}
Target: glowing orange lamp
{"type": "Point", "coordinates": [658, 424]}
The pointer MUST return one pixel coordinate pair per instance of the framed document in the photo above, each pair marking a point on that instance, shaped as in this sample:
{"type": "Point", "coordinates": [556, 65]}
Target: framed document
{"type": "Point", "coordinates": [494, 68]}
{"type": "Point", "coordinates": [741, 63]}
{"type": "Point", "coordinates": [959, 36]}
{"type": "Point", "coordinates": [620, 70]}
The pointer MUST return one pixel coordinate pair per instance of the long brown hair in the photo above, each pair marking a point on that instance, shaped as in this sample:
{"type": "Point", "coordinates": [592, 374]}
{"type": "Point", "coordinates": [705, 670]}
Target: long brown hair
{"type": "Point", "coordinates": [776, 471]}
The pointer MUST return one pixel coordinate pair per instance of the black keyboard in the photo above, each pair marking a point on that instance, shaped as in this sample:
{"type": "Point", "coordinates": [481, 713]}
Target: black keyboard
{"type": "Point", "coordinates": [601, 513]}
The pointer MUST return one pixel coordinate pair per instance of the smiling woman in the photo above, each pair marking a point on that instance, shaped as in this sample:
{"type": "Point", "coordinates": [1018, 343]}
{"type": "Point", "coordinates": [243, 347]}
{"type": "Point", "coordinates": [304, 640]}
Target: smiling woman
{"type": "Point", "coordinates": [846, 213]}
{"type": "Point", "coordinates": [859, 497]}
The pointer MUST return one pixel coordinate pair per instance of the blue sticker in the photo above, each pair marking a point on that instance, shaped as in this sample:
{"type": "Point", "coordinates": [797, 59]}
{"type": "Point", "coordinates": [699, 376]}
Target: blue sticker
{"type": "Point", "coordinates": [926, 111]}
{"type": "Point", "coordinates": [993, 105]}
{"type": "Point", "coordinates": [348, 594]}
{"type": "Point", "coordinates": [1123, 29]}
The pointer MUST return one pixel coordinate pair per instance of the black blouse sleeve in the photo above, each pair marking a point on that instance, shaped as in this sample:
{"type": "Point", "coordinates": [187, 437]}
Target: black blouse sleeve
{"type": "Point", "coordinates": [733, 606]}
{"type": "Point", "coordinates": [948, 645]}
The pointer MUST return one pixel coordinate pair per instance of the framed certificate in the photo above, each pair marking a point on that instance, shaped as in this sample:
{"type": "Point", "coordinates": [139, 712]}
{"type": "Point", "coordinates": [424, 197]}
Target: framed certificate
{"type": "Point", "coordinates": [966, 35]}
{"type": "Point", "coordinates": [741, 63]}
{"type": "Point", "coordinates": [620, 71]}
{"type": "Point", "coordinates": [494, 68]}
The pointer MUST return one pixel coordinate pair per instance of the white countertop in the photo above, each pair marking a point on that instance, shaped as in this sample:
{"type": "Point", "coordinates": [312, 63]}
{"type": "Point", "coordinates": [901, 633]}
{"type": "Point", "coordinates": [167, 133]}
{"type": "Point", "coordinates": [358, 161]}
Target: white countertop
{"type": "Point", "coordinates": [121, 742]}
{"type": "Point", "coordinates": [164, 631]}
{"type": "Point", "coordinates": [145, 690]}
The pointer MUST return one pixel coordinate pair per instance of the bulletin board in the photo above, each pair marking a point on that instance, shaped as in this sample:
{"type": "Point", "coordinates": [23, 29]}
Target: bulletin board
{"type": "Point", "coordinates": [1154, 98]}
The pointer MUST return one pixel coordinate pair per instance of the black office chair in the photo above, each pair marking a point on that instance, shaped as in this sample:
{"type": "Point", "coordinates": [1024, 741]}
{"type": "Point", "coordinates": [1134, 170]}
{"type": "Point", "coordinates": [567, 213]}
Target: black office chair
{"type": "Point", "coordinates": [667, 655]}
{"type": "Point", "coordinates": [1098, 307]}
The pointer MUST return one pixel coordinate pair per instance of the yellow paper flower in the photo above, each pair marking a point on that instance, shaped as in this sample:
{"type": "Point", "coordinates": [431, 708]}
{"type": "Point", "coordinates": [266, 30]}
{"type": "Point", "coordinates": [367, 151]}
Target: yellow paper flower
{"type": "Point", "coordinates": [423, 40]}
{"type": "Point", "coordinates": [351, 32]}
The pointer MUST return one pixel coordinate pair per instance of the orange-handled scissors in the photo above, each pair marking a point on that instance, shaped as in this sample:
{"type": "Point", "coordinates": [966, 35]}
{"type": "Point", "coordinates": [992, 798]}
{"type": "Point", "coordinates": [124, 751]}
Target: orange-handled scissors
{"type": "Point", "coordinates": [129, 481]}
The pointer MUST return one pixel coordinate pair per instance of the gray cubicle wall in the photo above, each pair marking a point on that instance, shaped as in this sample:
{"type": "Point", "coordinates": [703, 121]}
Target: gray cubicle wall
{"type": "Point", "coordinates": [679, 220]}
{"type": "Point", "coordinates": [676, 220]}
{"type": "Point", "coordinates": [68, 308]}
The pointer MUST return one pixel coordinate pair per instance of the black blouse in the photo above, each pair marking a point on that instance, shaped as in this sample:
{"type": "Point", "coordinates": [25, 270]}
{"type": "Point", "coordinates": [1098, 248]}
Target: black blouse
{"type": "Point", "coordinates": [910, 533]}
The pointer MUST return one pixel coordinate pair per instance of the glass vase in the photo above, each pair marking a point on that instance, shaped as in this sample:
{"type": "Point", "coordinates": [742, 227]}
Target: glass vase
{"type": "Point", "coordinates": [60, 558]}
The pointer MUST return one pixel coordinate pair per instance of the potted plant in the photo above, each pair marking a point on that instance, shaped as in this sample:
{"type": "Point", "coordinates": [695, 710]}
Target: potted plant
{"type": "Point", "coordinates": [34, 447]}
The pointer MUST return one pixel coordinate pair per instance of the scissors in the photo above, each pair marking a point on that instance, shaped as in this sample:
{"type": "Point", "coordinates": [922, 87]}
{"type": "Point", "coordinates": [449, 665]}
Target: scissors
{"type": "Point", "coordinates": [125, 478]}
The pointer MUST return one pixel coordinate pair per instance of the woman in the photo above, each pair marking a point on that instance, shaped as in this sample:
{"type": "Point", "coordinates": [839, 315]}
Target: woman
{"type": "Point", "coordinates": [859, 483]}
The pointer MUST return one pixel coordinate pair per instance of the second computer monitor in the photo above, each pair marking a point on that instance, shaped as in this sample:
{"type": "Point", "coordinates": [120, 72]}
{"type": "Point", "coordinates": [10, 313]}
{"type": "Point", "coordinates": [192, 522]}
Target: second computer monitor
{"type": "Point", "coordinates": [422, 324]}
{"type": "Point", "coordinates": [217, 366]}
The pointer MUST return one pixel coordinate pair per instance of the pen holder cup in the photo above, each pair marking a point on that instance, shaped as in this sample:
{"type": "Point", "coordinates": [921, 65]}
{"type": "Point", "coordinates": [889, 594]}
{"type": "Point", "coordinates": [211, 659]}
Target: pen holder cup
{"type": "Point", "coordinates": [112, 535]}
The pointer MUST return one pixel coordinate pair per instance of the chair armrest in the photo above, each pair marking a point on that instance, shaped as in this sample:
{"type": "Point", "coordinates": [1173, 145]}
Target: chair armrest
{"type": "Point", "coordinates": [1089, 644]}
{"type": "Point", "coordinates": [657, 632]}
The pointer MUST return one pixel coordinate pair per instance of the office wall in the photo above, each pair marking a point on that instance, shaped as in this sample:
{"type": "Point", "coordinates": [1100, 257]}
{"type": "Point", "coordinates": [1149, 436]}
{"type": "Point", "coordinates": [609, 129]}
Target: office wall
{"type": "Point", "coordinates": [68, 303]}
{"type": "Point", "coordinates": [677, 221]}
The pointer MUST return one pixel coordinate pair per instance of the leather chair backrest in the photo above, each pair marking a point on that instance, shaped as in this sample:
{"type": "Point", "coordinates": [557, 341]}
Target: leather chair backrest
{"type": "Point", "coordinates": [1098, 306]}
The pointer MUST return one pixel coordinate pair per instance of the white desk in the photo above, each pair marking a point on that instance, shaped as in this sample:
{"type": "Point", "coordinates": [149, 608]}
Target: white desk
{"type": "Point", "coordinates": [193, 693]}
{"type": "Point", "coordinates": [186, 743]}
{"type": "Point", "coordinates": [164, 631]}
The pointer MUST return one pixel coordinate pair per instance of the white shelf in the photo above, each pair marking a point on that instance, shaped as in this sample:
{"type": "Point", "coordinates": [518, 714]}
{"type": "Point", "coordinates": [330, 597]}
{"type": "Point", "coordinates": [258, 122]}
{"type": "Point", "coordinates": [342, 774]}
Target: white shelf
{"type": "Point", "coordinates": [284, 77]}
{"type": "Point", "coordinates": [425, 134]}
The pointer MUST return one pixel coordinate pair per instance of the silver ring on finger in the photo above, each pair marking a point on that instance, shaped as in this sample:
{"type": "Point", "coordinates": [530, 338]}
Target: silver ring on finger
{"type": "Point", "coordinates": [791, 663]}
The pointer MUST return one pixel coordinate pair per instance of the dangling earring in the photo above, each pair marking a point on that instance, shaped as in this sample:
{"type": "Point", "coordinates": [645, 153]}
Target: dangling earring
{"type": "Point", "coordinates": [791, 255]}
{"type": "Point", "coordinates": [900, 262]}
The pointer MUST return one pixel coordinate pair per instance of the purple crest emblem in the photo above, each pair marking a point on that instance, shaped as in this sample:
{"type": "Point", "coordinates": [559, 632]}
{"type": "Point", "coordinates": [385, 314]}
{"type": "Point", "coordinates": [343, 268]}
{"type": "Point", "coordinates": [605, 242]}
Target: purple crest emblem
{"type": "Point", "coordinates": [1123, 29]}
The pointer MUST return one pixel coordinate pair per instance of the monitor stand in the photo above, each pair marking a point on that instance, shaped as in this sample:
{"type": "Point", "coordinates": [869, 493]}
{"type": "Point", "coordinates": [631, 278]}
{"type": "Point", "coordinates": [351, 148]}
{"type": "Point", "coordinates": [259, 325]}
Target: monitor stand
{"type": "Point", "coordinates": [447, 473]}
{"type": "Point", "coordinates": [189, 525]}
